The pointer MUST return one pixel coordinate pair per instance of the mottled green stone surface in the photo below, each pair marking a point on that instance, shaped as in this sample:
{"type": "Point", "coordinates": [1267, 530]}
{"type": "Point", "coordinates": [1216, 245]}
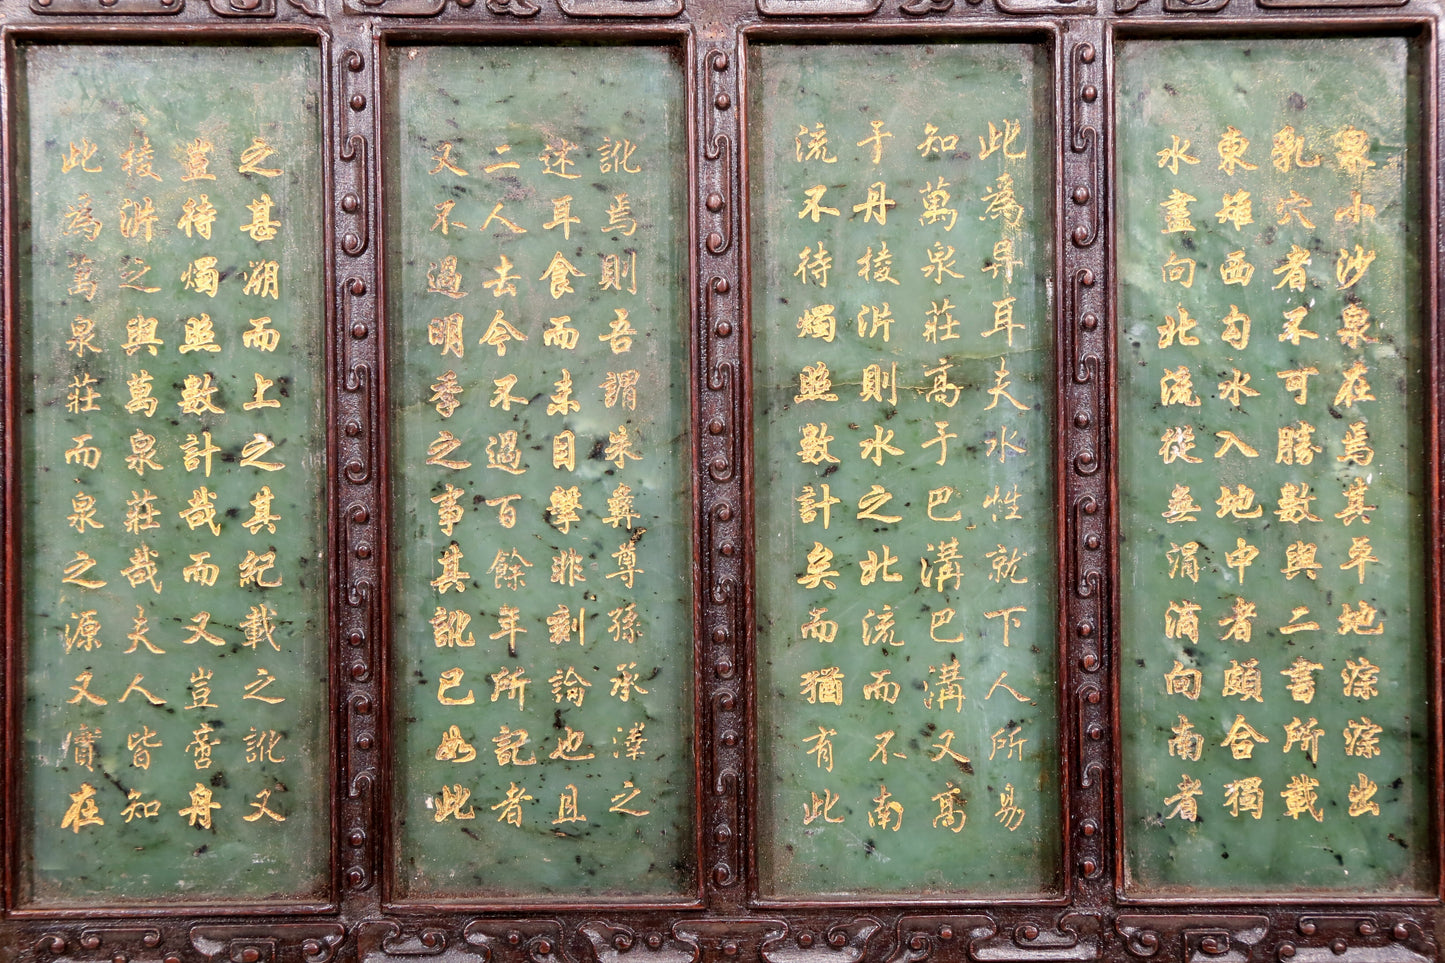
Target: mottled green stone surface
{"type": "Point", "coordinates": [1303, 106]}
{"type": "Point", "coordinates": [630, 831]}
{"type": "Point", "coordinates": [84, 761]}
{"type": "Point", "coordinates": [967, 165]}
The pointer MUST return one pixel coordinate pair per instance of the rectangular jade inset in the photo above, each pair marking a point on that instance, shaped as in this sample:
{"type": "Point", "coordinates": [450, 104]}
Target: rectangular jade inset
{"type": "Point", "coordinates": [901, 200]}
{"type": "Point", "coordinates": [537, 245]}
{"type": "Point", "coordinates": [170, 459]}
{"type": "Point", "coordinates": [1273, 469]}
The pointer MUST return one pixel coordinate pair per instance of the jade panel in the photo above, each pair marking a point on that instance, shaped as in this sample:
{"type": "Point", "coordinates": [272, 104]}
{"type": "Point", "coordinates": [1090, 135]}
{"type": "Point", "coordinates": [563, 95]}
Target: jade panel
{"type": "Point", "coordinates": [901, 215]}
{"type": "Point", "coordinates": [542, 563]}
{"type": "Point", "coordinates": [1275, 668]}
{"type": "Point", "coordinates": [170, 454]}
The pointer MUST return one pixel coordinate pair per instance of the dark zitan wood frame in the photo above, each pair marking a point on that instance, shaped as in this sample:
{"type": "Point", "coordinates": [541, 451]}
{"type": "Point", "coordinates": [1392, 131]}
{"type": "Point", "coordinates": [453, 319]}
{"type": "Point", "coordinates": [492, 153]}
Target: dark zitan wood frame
{"type": "Point", "coordinates": [1092, 918]}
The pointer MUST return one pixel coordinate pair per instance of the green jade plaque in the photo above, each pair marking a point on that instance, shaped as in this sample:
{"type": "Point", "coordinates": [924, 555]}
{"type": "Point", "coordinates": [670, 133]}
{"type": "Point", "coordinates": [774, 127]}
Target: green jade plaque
{"type": "Point", "coordinates": [903, 357]}
{"type": "Point", "coordinates": [540, 404]}
{"type": "Point", "coordinates": [1273, 476]}
{"type": "Point", "coordinates": [170, 463]}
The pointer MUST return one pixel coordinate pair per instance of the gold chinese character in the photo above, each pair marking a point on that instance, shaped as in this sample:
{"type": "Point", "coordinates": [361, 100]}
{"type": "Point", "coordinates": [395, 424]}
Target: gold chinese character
{"type": "Point", "coordinates": [816, 147]}
{"type": "Point", "coordinates": [1176, 387]}
{"type": "Point", "coordinates": [139, 745]}
{"type": "Point", "coordinates": [137, 218]}
{"type": "Point", "coordinates": [817, 627]}
{"type": "Point", "coordinates": [1183, 560]}
{"type": "Point", "coordinates": [876, 206]}
{"type": "Point", "coordinates": [1293, 269]}
{"type": "Point", "coordinates": [627, 568]}
{"type": "Point", "coordinates": [1295, 442]}
{"type": "Point", "coordinates": [1236, 270]}
{"type": "Point", "coordinates": [1010, 815]}
{"type": "Point", "coordinates": [1300, 798]}
{"type": "Point", "coordinates": [1001, 140]}
{"type": "Point", "coordinates": [1351, 268]}
{"type": "Point", "coordinates": [82, 811]}
{"type": "Point", "coordinates": [1293, 206]}
{"type": "Point", "coordinates": [263, 279]}
{"type": "Point", "coordinates": [1176, 212]}
{"type": "Point", "coordinates": [253, 568]}
{"type": "Point", "coordinates": [823, 686]}
{"type": "Point", "coordinates": [935, 205]}
{"type": "Point", "coordinates": [1002, 204]}
{"type": "Point", "coordinates": [950, 808]}
{"type": "Point", "coordinates": [1361, 796]}
{"type": "Point", "coordinates": [80, 157]}
{"type": "Point", "coordinates": [141, 400]}
{"type": "Point", "coordinates": [1356, 321]}
{"type": "Point", "coordinates": [453, 748]}
{"type": "Point", "coordinates": [1181, 681]}
{"type": "Point", "coordinates": [201, 276]}
{"type": "Point", "coordinates": [1232, 145]}
{"type": "Point", "coordinates": [879, 265]}
{"type": "Point", "coordinates": [619, 217]}
{"type": "Point", "coordinates": [1352, 149]}
{"type": "Point", "coordinates": [1237, 209]}
{"type": "Point", "coordinates": [948, 687]}
{"type": "Point", "coordinates": [262, 227]}
{"type": "Point", "coordinates": [1185, 803]}
{"type": "Point", "coordinates": [253, 155]}
{"type": "Point", "coordinates": [142, 568]}
{"type": "Point", "coordinates": [452, 798]}
{"type": "Point", "coordinates": [1176, 443]}
{"type": "Point", "coordinates": [1186, 744]}
{"type": "Point", "coordinates": [1305, 735]}
{"type": "Point", "coordinates": [1229, 440]}
{"type": "Point", "coordinates": [1241, 558]}
{"type": "Point", "coordinates": [201, 510]}
{"type": "Point", "coordinates": [887, 812]}
{"type": "Point", "coordinates": [1239, 623]}
{"type": "Point", "coordinates": [1244, 680]}
{"type": "Point", "coordinates": [1297, 380]}
{"type": "Point", "coordinates": [1355, 506]}
{"type": "Point", "coordinates": [1300, 558]}
{"type": "Point", "coordinates": [1301, 678]}
{"type": "Point", "coordinates": [569, 685]}
{"type": "Point", "coordinates": [452, 679]}
{"type": "Point", "coordinates": [263, 809]}
{"type": "Point", "coordinates": [1175, 154]}
{"type": "Point", "coordinates": [508, 570]}
{"type": "Point", "coordinates": [1360, 554]}
{"type": "Point", "coordinates": [258, 627]}
{"type": "Point", "coordinates": [619, 448]}
{"type": "Point", "coordinates": [80, 219]}
{"type": "Point", "coordinates": [1245, 795]}
{"type": "Point", "coordinates": [141, 512]}
{"type": "Point", "coordinates": [1180, 328]}
{"type": "Point", "coordinates": [1181, 620]}
{"type": "Point", "coordinates": [1242, 738]}
{"type": "Point", "coordinates": [1289, 149]}
{"type": "Point", "coordinates": [1355, 211]}
{"type": "Point", "coordinates": [197, 215]}
{"type": "Point", "coordinates": [882, 689]}
{"type": "Point", "coordinates": [83, 508]}
{"type": "Point", "coordinates": [940, 262]}
{"type": "Point", "coordinates": [1353, 387]}
{"type": "Point", "coordinates": [1181, 507]}
{"type": "Point", "coordinates": [509, 745]}
{"type": "Point", "coordinates": [258, 446]}
{"type": "Point", "coordinates": [1294, 504]}
{"type": "Point", "coordinates": [1361, 679]}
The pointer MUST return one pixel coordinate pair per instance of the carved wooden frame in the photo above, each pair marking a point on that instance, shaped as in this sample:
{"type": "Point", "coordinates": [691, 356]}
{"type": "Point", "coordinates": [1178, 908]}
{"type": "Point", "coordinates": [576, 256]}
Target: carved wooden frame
{"type": "Point", "coordinates": [1093, 920]}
